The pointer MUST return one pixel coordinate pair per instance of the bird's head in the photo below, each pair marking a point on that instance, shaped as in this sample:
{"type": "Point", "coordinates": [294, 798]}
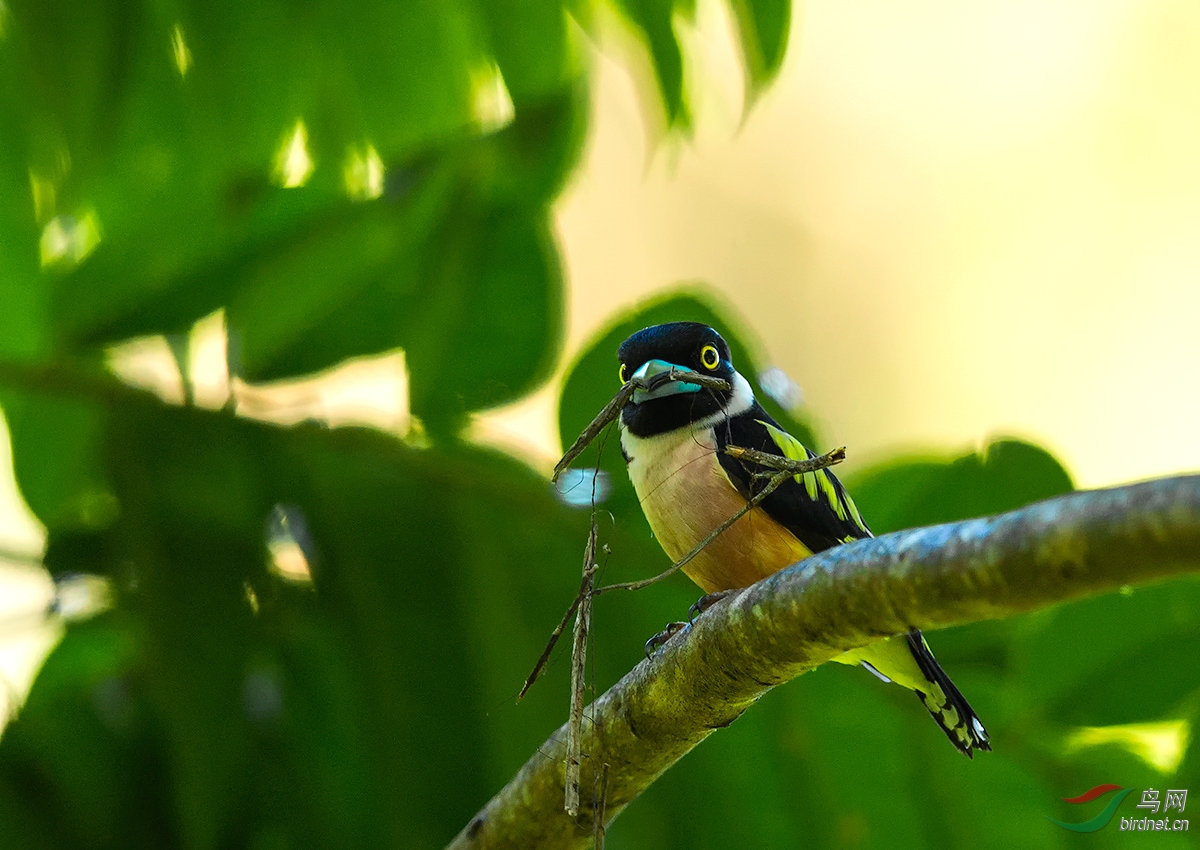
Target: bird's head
{"type": "Point", "coordinates": [688, 346]}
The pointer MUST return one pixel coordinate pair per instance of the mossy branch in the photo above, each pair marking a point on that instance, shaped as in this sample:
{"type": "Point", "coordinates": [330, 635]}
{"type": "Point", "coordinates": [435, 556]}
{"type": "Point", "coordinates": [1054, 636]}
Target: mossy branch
{"type": "Point", "coordinates": [1065, 548]}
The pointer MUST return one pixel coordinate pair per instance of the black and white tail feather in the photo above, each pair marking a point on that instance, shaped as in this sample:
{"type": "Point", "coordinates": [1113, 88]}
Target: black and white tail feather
{"type": "Point", "coordinates": [946, 704]}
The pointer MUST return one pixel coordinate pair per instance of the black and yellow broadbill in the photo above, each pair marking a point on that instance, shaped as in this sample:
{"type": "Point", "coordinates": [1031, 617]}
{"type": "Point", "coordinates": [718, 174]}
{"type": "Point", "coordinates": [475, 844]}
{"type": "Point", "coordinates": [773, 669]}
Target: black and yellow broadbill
{"type": "Point", "coordinates": [674, 438]}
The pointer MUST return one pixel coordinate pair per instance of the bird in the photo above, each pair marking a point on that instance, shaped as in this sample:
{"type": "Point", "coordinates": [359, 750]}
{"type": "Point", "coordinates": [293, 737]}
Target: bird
{"type": "Point", "coordinates": [673, 439]}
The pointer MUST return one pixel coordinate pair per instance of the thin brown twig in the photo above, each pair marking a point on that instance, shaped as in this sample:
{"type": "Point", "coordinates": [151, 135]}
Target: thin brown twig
{"type": "Point", "coordinates": [585, 587]}
{"type": "Point", "coordinates": [784, 464]}
{"type": "Point", "coordinates": [706, 381]}
{"type": "Point", "coordinates": [583, 621]}
{"type": "Point", "coordinates": [613, 409]}
{"type": "Point", "coordinates": [787, 469]}
{"type": "Point", "coordinates": [598, 806]}
{"type": "Point", "coordinates": [554, 636]}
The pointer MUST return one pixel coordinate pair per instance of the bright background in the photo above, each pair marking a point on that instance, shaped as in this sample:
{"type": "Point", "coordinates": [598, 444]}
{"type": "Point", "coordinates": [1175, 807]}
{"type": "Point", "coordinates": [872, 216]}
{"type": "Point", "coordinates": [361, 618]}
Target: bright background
{"type": "Point", "coordinates": [945, 220]}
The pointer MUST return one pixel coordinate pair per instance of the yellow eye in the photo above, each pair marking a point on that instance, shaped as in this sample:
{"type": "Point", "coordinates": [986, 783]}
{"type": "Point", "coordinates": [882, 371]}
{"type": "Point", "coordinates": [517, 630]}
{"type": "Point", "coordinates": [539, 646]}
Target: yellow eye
{"type": "Point", "coordinates": [621, 373]}
{"type": "Point", "coordinates": [709, 358]}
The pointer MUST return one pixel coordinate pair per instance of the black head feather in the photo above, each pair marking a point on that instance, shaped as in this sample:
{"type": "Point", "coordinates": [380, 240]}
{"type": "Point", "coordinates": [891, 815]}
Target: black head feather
{"type": "Point", "coordinates": [683, 344]}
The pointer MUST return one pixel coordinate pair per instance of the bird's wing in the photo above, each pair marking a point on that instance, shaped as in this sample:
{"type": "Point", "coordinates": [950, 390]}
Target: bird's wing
{"type": "Point", "coordinates": [814, 506]}
{"type": "Point", "coordinates": [817, 509]}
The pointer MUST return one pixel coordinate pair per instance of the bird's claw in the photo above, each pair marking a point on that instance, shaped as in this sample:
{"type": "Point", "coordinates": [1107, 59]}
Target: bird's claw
{"type": "Point", "coordinates": [698, 607]}
{"type": "Point", "coordinates": [704, 603]}
{"type": "Point", "coordinates": [659, 640]}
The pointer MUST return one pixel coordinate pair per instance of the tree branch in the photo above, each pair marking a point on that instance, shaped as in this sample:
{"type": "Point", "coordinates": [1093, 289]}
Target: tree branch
{"type": "Point", "coordinates": [1073, 546]}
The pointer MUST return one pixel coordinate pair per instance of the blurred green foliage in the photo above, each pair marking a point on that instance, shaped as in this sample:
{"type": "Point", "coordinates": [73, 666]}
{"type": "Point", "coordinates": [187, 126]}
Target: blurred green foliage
{"type": "Point", "coordinates": [219, 705]}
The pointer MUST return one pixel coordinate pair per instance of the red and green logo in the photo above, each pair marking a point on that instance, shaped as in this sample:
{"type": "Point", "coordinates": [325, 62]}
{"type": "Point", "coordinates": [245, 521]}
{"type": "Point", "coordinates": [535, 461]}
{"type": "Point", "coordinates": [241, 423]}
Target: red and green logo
{"type": "Point", "coordinates": [1101, 820]}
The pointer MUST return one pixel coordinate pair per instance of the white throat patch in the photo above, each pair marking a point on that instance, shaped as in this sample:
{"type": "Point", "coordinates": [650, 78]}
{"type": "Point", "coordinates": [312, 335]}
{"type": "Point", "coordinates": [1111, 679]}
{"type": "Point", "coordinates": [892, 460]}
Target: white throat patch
{"type": "Point", "coordinates": [741, 401]}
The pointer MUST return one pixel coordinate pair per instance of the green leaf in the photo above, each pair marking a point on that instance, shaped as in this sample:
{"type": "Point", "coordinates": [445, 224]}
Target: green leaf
{"type": "Point", "coordinates": [655, 22]}
{"type": "Point", "coordinates": [763, 27]}
{"type": "Point", "coordinates": [429, 238]}
{"type": "Point", "coordinates": [528, 161]}
{"type": "Point", "coordinates": [529, 41]}
{"type": "Point", "coordinates": [490, 325]}
{"type": "Point", "coordinates": [177, 167]}
{"type": "Point", "coordinates": [1139, 686]}
{"type": "Point", "coordinates": [1188, 773]}
{"type": "Point", "coordinates": [320, 753]}
{"type": "Point", "coordinates": [424, 562]}
{"type": "Point", "coordinates": [832, 721]}
{"type": "Point", "coordinates": [1108, 660]}
{"type": "Point", "coordinates": [25, 333]}
{"type": "Point", "coordinates": [77, 766]}
{"type": "Point", "coordinates": [194, 502]}
{"type": "Point", "coordinates": [909, 493]}
{"type": "Point", "coordinates": [283, 295]}
{"type": "Point", "coordinates": [996, 800]}
{"type": "Point", "coordinates": [58, 459]}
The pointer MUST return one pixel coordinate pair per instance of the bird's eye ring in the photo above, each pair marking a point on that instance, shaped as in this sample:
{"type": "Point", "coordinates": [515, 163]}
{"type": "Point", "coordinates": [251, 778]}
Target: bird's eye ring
{"type": "Point", "coordinates": [709, 357]}
{"type": "Point", "coordinates": [621, 373]}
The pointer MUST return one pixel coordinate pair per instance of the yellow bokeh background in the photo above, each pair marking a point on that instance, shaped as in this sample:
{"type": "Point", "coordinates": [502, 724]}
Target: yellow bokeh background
{"type": "Point", "coordinates": [945, 220]}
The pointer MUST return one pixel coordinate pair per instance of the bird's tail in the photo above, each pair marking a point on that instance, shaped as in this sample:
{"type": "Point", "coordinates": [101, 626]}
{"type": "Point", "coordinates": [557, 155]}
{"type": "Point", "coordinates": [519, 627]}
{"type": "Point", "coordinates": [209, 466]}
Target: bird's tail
{"type": "Point", "coordinates": [945, 702]}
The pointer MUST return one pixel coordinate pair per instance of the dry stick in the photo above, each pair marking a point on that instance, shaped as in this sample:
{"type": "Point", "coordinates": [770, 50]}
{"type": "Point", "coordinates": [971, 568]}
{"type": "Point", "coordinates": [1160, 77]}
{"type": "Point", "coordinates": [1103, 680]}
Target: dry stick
{"type": "Point", "coordinates": [610, 412]}
{"type": "Point", "coordinates": [613, 409]}
{"type": "Point", "coordinates": [780, 463]}
{"type": "Point", "coordinates": [583, 620]}
{"type": "Point", "coordinates": [786, 469]}
{"type": "Point", "coordinates": [598, 810]}
{"type": "Point", "coordinates": [554, 636]}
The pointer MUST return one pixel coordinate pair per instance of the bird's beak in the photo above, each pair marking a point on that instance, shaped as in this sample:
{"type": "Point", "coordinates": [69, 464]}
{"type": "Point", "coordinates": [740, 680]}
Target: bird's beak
{"type": "Point", "coordinates": [657, 367]}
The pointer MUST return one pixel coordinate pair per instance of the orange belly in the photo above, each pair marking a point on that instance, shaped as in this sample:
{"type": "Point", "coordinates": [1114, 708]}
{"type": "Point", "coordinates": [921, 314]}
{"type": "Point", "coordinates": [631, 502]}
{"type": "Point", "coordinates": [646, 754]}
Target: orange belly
{"type": "Point", "coordinates": [685, 495]}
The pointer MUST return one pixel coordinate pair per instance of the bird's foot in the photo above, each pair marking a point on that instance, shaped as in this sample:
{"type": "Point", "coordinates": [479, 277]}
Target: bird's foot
{"type": "Point", "coordinates": [659, 640]}
{"type": "Point", "coordinates": [705, 602]}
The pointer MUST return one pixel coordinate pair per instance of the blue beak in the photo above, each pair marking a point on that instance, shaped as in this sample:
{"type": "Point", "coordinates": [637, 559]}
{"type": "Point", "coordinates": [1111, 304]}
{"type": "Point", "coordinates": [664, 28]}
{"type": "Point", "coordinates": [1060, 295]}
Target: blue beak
{"type": "Point", "coordinates": [657, 367]}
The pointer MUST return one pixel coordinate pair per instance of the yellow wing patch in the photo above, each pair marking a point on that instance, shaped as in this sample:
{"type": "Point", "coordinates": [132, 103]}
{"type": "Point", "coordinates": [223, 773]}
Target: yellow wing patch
{"type": "Point", "coordinates": [854, 514]}
{"type": "Point", "coordinates": [830, 494]}
{"type": "Point", "coordinates": [810, 484]}
{"type": "Point", "coordinates": [820, 481]}
{"type": "Point", "coordinates": [793, 449]}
